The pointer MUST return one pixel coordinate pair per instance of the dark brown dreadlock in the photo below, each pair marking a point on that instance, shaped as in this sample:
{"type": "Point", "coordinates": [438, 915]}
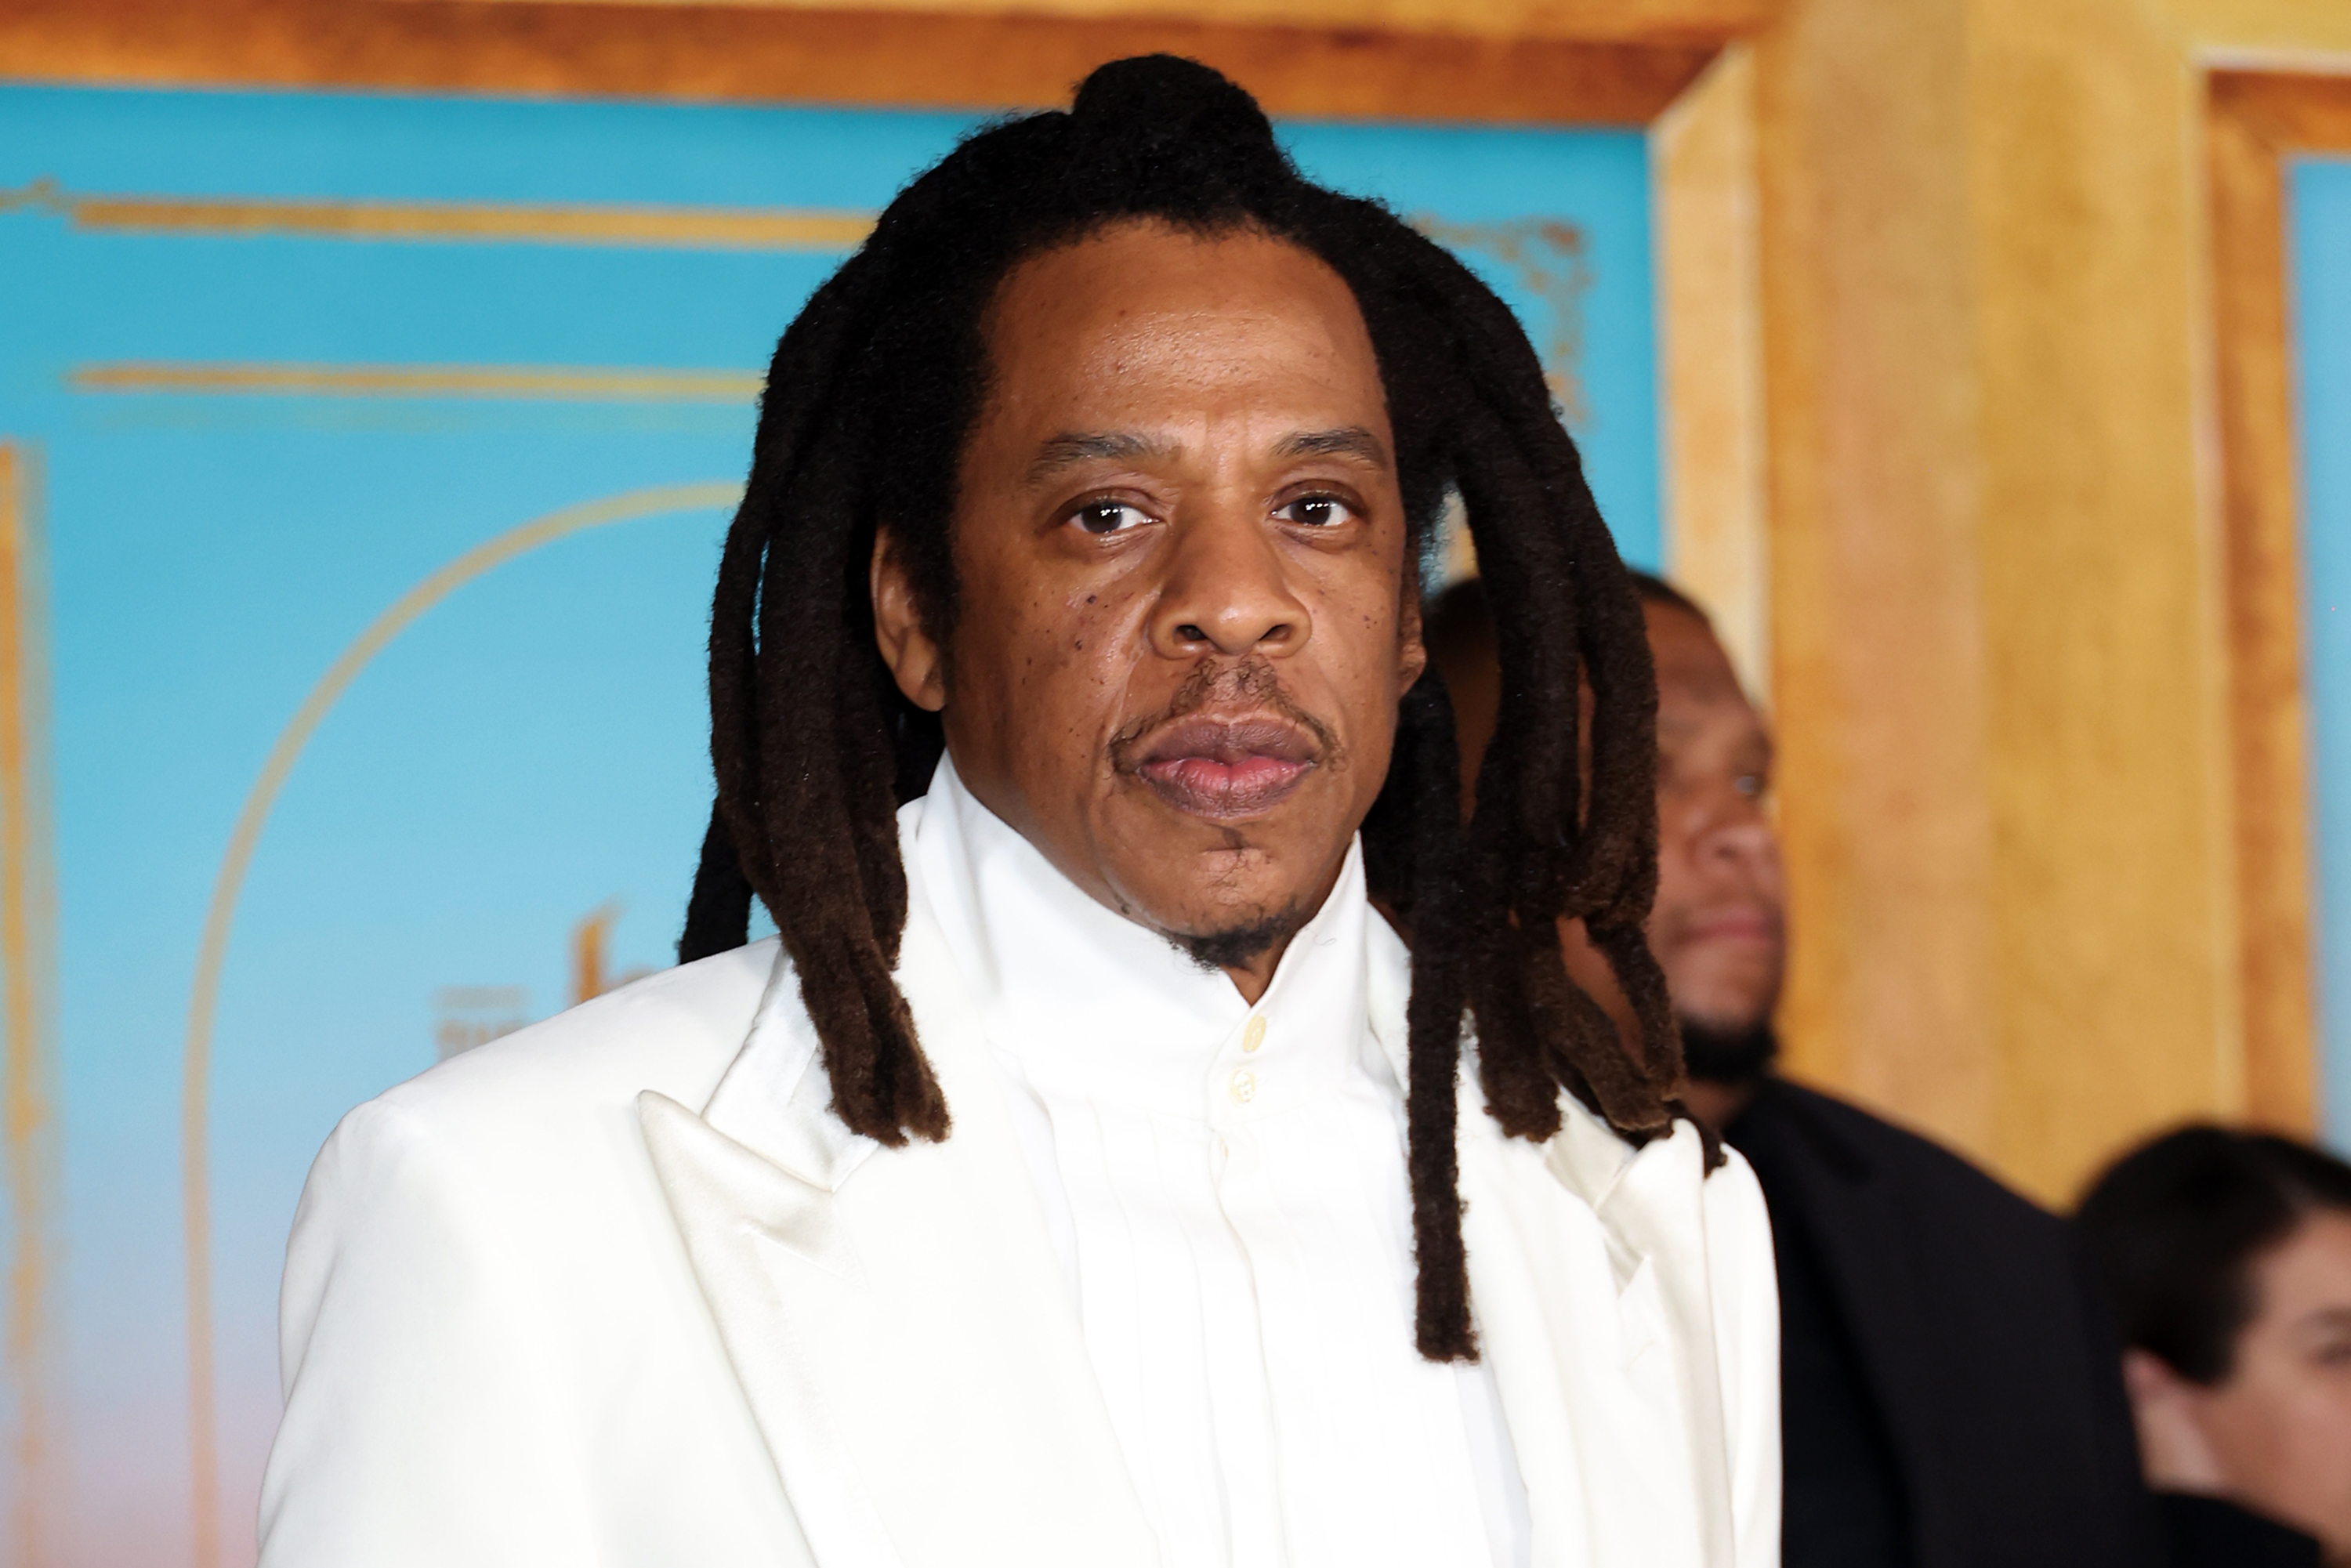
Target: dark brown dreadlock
{"type": "Point", "coordinates": [868, 400]}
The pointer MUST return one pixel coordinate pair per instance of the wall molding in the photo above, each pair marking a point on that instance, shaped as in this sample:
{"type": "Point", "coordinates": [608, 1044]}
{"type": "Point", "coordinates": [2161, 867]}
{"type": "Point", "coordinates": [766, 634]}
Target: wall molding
{"type": "Point", "coordinates": [2255, 120]}
{"type": "Point", "coordinates": [946, 57]}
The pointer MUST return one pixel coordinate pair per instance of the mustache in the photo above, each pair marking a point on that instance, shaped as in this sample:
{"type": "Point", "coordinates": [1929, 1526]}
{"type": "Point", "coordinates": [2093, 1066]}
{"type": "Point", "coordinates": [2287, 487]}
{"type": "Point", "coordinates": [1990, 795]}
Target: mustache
{"type": "Point", "coordinates": [1252, 686]}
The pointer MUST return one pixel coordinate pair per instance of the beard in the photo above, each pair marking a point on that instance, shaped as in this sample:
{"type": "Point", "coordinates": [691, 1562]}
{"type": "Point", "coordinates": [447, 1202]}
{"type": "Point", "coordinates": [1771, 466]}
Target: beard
{"type": "Point", "coordinates": [1739, 1055]}
{"type": "Point", "coordinates": [1215, 951]}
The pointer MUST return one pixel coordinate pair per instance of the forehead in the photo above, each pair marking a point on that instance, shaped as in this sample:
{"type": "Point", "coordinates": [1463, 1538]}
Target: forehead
{"type": "Point", "coordinates": [1141, 316]}
{"type": "Point", "coordinates": [2313, 1262]}
{"type": "Point", "coordinates": [1693, 671]}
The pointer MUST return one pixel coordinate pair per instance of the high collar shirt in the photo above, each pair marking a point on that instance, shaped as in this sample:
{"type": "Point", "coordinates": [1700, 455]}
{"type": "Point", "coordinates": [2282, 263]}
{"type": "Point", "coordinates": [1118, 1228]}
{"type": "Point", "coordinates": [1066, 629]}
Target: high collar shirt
{"type": "Point", "coordinates": [1225, 1188]}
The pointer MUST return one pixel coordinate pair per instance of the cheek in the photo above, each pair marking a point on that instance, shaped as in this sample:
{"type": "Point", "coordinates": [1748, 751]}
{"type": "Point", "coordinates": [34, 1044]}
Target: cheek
{"type": "Point", "coordinates": [1681, 885]}
{"type": "Point", "coordinates": [1360, 631]}
{"type": "Point", "coordinates": [2327, 1423]}
{"type": "Point", "coordinates": [1064, 661]}
{"type": "Point", "coordinates": [2275, 1413]}
{"type": "Point", "coordinates": [1674, 857]}
{"type": "Point", "coordinates": [1362, 685]}
{"type": "Point", "coordinates": [1366, 668]}
{"type": "Point", "coordinates": [2298, 1443]}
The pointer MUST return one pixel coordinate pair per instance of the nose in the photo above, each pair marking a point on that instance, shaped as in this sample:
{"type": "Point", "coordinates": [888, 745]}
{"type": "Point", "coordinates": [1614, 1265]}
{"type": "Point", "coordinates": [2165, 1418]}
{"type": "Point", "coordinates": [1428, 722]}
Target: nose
{"type": "Point", "coordinates": [1225, 589]}
{"type": "Point", "coordinates": [1730, 833]}
{"type": "Point", "coordinates": [1745, 838]}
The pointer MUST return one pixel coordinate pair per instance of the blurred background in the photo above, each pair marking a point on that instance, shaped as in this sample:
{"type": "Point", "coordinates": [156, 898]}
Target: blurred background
{"type": "Point", "coordinates": [377, 377]}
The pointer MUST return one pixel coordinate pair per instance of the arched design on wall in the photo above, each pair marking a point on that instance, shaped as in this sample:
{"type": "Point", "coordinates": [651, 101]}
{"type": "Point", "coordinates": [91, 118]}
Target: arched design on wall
{"type": "Point", "coordinates": [203, 1462]}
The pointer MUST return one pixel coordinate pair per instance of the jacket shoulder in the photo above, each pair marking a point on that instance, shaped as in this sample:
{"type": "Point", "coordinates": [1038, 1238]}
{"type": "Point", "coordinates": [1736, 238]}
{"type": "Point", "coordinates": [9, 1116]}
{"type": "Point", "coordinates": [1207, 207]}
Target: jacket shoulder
{"type": "Point", "coordinates": [494, 1347]}
{"type": "Point", "coordinates": [1970, 1309]}
{"type": "Point", "coordinates": [674, 1032]}
{"type": "Point", "coordinates": [1866, 1147]}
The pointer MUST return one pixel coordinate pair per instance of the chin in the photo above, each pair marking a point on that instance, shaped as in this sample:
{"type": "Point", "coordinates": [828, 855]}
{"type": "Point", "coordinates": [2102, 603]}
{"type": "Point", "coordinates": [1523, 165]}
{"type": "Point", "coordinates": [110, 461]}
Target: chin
{"type": "Point", "coordinates": [1207, 910]}
{"type": "Point", "coordinates": [1731, 996]}
{"type": "Point", "coordinates": [1224, 897]}
{"type": "Point", "coordinates": [1197, 878]}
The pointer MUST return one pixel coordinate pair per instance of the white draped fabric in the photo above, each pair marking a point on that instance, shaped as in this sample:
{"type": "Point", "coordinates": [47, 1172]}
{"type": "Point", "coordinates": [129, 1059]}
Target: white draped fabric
{"type": "Point", "coordinates": [1225, 1188]}
{"type": "Point", "coordinates": [621, 1289]}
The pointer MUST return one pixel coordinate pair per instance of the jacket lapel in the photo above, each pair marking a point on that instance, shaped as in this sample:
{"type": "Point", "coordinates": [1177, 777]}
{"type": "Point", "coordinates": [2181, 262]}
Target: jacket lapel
{"type": "Point", "coordinates": [895, 1316]}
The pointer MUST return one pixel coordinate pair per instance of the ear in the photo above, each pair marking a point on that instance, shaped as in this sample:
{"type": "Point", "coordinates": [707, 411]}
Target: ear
{"type": "Point", "coordinates": [914, 659]}
{"type": "Point", "coordinates": [2169, 1411]}
{"type": "Point", "coordinates": [1411, 649]}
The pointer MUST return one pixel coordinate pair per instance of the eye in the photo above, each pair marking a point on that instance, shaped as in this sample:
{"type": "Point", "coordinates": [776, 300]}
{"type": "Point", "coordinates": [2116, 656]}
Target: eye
{"type": "Point", "coordinates": [1109, 517]}
{"type": "Point", "coordinates": [1316, 512]}
{"type": "Point", "coordinates": [1751, 785]}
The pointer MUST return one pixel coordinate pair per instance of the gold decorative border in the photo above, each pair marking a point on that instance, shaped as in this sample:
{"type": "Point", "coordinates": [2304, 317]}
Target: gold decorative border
{"type": "Point", "coordinates": [655, 227]}
{"type": "Point", "coordinates": [1615, 62]}
{"type": "Point", "coordinates": [1546, 257]}
{"type": "Point", "coordinates": [1624, 75]}
{"type": "Point", "coordinates": [203, 999]}
{"type": "Point", "coordinates": [544, 383]}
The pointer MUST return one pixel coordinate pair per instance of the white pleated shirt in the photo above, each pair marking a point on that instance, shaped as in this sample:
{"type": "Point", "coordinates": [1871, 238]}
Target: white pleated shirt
{"type": "Point", "coordinates": [1225, 1189]}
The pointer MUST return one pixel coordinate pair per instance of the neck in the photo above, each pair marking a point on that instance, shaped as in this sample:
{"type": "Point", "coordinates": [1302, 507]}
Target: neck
{"type": "Point", "coordinates": [1251, 977]}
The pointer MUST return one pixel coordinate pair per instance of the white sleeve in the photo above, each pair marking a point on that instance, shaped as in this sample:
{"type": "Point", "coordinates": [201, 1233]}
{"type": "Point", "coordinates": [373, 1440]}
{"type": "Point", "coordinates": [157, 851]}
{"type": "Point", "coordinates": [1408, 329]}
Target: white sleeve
{"type": "Point", "coordinates": [1746, 1293]}
{"type": "Point", "coordinates": [419, 1425]}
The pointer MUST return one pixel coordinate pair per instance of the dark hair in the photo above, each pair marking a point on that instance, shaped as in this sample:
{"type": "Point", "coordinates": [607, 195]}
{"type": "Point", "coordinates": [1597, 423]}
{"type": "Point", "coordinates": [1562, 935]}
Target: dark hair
{"type": "Point", "coordinates": [868, 400]}
{"type": "Point", "coordinates": [2175, 1226]}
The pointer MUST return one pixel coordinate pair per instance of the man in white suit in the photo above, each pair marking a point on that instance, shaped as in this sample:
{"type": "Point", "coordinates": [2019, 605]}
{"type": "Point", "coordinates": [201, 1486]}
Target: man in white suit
{"type": "Point", "coordinates": [1083, 1176]}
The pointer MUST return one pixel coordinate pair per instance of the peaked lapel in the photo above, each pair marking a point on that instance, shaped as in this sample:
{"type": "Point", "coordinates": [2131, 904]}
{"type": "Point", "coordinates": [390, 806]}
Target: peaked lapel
{"type": "Point", "coordinates": [896, 1318]}
{"type": "Point", "coordinates": [1589, 1279]}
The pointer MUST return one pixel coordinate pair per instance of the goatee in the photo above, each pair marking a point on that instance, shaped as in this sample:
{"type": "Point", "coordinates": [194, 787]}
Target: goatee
{"type": "Point", "coordinates": [1713, 1054]}
{"type": "Point", "coordinates": [1234, 946]}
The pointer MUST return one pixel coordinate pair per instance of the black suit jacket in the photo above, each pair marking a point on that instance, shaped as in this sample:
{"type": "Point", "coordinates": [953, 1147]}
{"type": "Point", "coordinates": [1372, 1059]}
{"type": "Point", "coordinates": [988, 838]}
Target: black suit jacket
{"type": "Point", "coordinates": [1975, 1358]}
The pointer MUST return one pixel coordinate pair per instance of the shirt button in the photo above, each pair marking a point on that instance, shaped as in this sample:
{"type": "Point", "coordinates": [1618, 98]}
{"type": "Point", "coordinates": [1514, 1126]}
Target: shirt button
{"type": "Point", "coordinates": [1254, 1035]}
{"type": "Point", "coordinates": [1244, 1087]}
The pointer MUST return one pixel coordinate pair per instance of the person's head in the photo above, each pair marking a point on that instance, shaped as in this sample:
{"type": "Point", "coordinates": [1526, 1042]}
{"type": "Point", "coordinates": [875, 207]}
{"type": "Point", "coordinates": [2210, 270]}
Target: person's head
{"type": "Point", "coordinates": [1718, 926]}
{"type": "Point", "coordinates": [1106, 467]}
{"type": "Point", "coordinates": [2227, 1258]}
{"type": "Point", "coordinates": [1181, 505]}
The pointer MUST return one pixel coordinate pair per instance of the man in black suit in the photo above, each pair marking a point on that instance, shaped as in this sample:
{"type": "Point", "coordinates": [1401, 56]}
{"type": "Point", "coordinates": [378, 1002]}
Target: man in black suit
{"type": "Point", "coordinates": [1951, 1392]}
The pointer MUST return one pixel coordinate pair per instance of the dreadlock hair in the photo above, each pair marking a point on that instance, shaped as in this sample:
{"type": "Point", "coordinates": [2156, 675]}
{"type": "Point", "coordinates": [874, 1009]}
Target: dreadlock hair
{"type": "Point", "coordinates": [868, 400]}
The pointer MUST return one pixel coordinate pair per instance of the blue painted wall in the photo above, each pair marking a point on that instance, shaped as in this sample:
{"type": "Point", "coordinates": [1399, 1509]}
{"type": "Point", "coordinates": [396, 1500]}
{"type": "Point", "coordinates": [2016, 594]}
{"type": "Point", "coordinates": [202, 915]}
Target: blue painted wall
{"type": "Point", "coordinates": [534, 748]}
{"type": "Point", "coordinates": [2320, 200]}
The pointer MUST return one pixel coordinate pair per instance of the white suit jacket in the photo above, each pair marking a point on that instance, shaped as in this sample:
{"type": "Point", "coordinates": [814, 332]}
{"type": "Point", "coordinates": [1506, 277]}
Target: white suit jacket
{"type": "Point", "coordinates": [618, 1290]}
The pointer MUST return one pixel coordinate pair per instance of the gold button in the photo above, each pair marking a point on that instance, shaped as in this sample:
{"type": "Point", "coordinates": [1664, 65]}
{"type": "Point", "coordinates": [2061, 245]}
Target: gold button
{"type": "Point", "coordinates": [1254, 1035]}
{"type": "Point", "coordinates": [1244, 1087]}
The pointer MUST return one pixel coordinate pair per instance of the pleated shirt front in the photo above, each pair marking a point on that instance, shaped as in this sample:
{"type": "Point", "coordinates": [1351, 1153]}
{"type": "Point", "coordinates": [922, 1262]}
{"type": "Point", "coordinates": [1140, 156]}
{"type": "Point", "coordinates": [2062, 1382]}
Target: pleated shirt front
{"type": "Point", "coordinates": [1226, 1188]}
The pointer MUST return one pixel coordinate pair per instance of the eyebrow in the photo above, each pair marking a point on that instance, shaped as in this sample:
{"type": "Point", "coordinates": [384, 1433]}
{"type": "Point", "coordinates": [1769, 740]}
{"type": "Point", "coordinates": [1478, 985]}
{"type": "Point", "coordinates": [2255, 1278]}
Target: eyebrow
{"type": "Point", "coordinates": [1068, 450]}
{"type": "Point", "coordinates": [1354, 440]}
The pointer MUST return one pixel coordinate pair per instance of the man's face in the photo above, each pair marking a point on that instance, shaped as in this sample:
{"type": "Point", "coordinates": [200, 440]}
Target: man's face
{"type": "Point", "coordinates": [1718, 926]}
{"type": "Point", "coordinates": [1185, 613]}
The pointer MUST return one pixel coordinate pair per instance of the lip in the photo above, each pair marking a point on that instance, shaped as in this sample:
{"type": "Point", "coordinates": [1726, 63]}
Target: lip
{"type": "Point", "coordinates": [1226, 768]}
{"type": "Point", "coordinates": [1744, 925]}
